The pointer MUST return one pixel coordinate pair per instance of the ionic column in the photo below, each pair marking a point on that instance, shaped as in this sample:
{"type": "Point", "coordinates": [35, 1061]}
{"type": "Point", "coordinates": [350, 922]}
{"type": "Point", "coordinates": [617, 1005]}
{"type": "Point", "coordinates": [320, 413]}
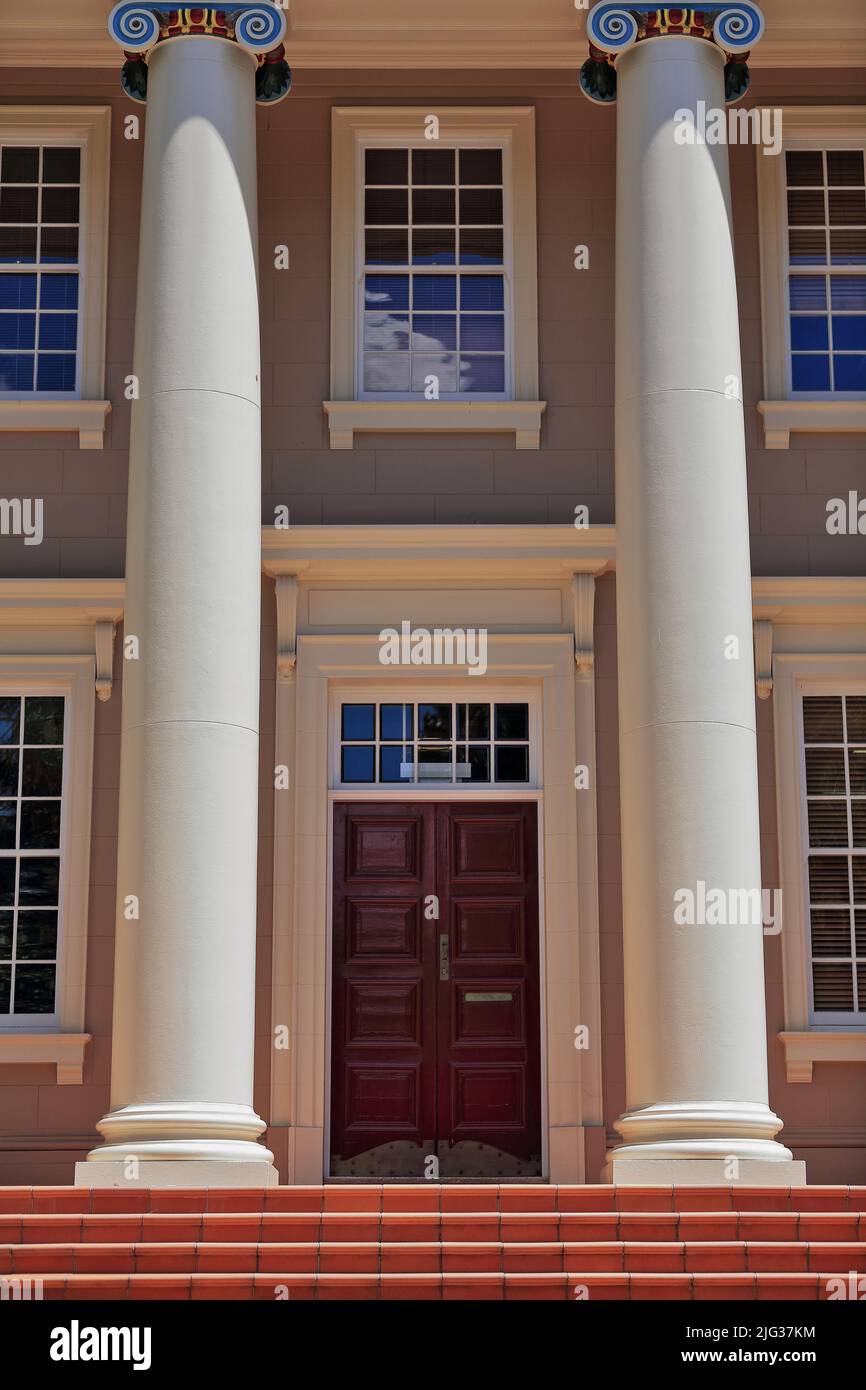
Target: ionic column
{"type": "Point", "coordinates": [182, 1045]}
{"type": "Point", "coordinates": [694, 994]}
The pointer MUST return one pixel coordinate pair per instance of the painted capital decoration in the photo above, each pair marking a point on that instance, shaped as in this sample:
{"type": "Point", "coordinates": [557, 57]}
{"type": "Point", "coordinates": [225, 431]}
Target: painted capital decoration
{"type": "Point", "coordinates": [256, 25]}
{"type": "Point", "coordinates": [612, 28]}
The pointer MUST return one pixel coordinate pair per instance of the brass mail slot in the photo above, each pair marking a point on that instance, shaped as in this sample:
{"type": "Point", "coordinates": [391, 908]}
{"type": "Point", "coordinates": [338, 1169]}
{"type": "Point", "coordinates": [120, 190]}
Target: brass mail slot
{"type": "Point", "coordinates": [487, 998]}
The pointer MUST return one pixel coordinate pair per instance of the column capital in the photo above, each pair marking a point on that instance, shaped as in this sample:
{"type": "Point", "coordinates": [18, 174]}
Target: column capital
{"type": "Point", "coordinates": [256, 25]}
{"type": "Point", "coordinates": [612, 28]}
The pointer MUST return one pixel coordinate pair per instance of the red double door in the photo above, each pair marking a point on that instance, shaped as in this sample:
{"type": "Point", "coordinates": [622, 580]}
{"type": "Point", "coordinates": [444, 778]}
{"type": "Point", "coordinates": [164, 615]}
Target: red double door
{"type": "Point", "coordinates": [435, 991]}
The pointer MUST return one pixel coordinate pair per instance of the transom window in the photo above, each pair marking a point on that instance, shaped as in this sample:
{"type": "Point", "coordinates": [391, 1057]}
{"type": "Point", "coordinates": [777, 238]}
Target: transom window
{"type": "Point", "coordinates": [31, 786]}
{"type": "Point", "coordinates": [434, 295]}
{"type": "Point", "coordinates": [834, 736]}
{"type": "Point", "coordinates": [39, 268]}
{"type": "Point", "coordinates": [826, 203]}
{"type": "Point", "coordinates": [454, 742]}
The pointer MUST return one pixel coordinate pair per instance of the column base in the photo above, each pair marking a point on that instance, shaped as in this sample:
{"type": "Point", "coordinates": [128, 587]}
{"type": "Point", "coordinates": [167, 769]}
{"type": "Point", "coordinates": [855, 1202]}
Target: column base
{"type": "Point", "coordinates": [632, 1171]}
{"type": "Point", "coordinates": [179, 1144]}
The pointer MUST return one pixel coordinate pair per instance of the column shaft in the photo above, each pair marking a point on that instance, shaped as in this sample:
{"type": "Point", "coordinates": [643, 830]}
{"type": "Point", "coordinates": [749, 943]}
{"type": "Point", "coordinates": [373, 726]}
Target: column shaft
{"type": "Point", "coordinates": [695, 1013]}
{"type": "Point", "coordinates": [182, 1062]}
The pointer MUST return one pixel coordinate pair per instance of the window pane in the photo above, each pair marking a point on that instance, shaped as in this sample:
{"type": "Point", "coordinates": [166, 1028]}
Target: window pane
{"type": "Point", "coordinates": [395, 762]}
{"type": "Point", "coordinates": [810, 373]}
{"type": "Point", "coordinates": [833, 986]}
{"type": "Point", "coordinates": [42, 773]}
{"type": "Point", "coordinates": [386, 291]}
{"type": "Point", "coordinates": [434, 721]}
{"type": "Point", "coordinates": [38, 881]}
{"type": "Point", "coordinates": [805, 209]}
{"type": "Point", "coordinates": [848, 291]}
{"type": "Point", "coordinates": [478, 758]}
{"type": "Point", "coordinates": [443, 368]}
{"type": "Point", "coordinates": [17, 245]}
{"type": "Point", "coordinates": [435, 292]}
{"type": "Point", "coordinates": [807, 246]}
{"type": "Point", "coordinates": [20, 166]}
{"type": "Point", "coordinates": [59, 292]}
{"type": "Point", "coordinates": [855, 711]}
{"type": "Point", "coordinates": [34, 989]}
{"type": "Point", "coordinates": [358, 764]}
{"type": "Point", "coordinates": [43, 719]}
{"type": "Point", "coordinates": [480, 246]}
{"type": "Point", "coordinates": [828, 879]}
{"type": "Point", "coordinates": [433, 246]}
{"type": "Point", "coordinates": [358, 721]}
{"type": "Point", "coordinates": [825, 772]}
{"type": "Point", "coordinates": [58, 331]}
{"type": "Point", "coordinates": [482, 292]}
{"type": "Point", "coordinates": [7, 882]}
{"type": "Point", "coordinates": [482, 332]}
{"type": "Point", "coordinates": [482, 374]}
{"type": "Point", "coordinates": [808, 291]}
{"type": "Point", "coordinates": [831, 931]}
{"type": "Point", "coordinates": [386, 247]}
{"type": "Point", "coordinates": [434, 332]}
{"type": "Point", "coordinates": [858, 826]}
{"type": "Point", "coordinates": [61, 165]}
{"type": "Point", "coordinates": [849, 332]}
{"type": "Point", "coordinates": [396, 721]}
{"type": "Point", "coordinates": [848, 247]}
{"type": "Point", "coordinates": [37, 935]}
{"type": "Point", "coordinates": [59, 244]}
{"type": "Point", "coordinates": [847, 207]}
{"type": "Point", "coordinates": [511, 721]}
{"type": "Point", "coordinates": [9, 772]}
{"type": "Point", "coordinates": [60, 205]}
{"type": "Point", "coordinates": [809, 332]}
{"type": "Point", "coordinates": [805, 168]}
{"type": "Point", "coordinates": [17, 331]}
{"type": "Point", "coordinates": [845, 167]}
{"type": "Point", "coordinates": [56, 373]}
{"type": "Point", "coordinates": [5, 988]}
{"type": "Point", "coordinates": [849, 373]}
{"type": "Point", "coordinates": [386, 166]}
{"type": "Point", "coordinates": [432, 166]}
{"type": "Point", "coordinates": [480, 166]}
{"type": "Point", "coordinates": [16, 373]}
{"type": "Point", "coordinates": [386, 332]}
{"type": "Point", "coordinates": [19, 204]}
{"type": "Point", "coordinates": [386, 373]}
{"type": "Point", "coordinates": [386, 205]}
{"type": "Point", "coordinates": [434, 764]}
{"type": "Point", "coordinates": [482, 205]}
{"type": "Point", "coordinates": [17, 291]}
{"type": "Point", "coordinates": [828, 824]}
{"type": "Point", "coordinates": [512, 764]}
{"type": "Point", "coordinates": [6, 919]}
{"type": "Point", "coordinates": [822, 718]}
{"type": "Point", "coordinates": [10, 717]}
{"type": "Point", "coordinates": [40, 824]}
{"type": "Point", "coordinates": [8, 824]}
{"type": "Point", "coordinates": [434, 205]}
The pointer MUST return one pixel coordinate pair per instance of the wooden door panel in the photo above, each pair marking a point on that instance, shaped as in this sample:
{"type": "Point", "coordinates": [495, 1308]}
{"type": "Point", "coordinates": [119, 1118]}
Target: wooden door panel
{"type": "Point", "coordinates": [423, 1061]}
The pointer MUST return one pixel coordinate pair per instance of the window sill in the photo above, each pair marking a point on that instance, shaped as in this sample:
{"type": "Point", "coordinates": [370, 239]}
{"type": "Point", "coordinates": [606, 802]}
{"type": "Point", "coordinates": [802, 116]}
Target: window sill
{"type": "Point", "coordinates": [520, 418]}
{"type": "Point", "coordinates": [65, 1050]}
{"type": "Point", "coordinates": [824, 417]}
{"type": "Point", "coordinates": [804, 1049]}
{"type": "Point", "coordinates": [85, 418]}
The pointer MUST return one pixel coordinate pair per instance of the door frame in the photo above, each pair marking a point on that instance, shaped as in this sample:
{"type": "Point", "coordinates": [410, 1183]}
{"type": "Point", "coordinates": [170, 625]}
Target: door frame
{"type": "Point", "coordinates": [398, 794]}
{"type": "Point", "coordinates": [303, 884]}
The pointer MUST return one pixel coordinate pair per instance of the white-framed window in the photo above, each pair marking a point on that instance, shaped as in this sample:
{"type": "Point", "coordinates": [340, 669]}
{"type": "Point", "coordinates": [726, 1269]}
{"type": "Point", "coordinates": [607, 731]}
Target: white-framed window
{"type": "Point", "coordinates": [46, 756]}
{"type": "Point", "coordinates": [434, 319]}
{"type": "Point", "coordinates": [812, 221]}
{"type": "Point", "coordinates": [833, 782]}
{"type": "Point", "coordinates": [445, 736]}
{"type": "Point", "coordinates": [434, 274]}
{"type": "Point", "coordinates": [53, 260]}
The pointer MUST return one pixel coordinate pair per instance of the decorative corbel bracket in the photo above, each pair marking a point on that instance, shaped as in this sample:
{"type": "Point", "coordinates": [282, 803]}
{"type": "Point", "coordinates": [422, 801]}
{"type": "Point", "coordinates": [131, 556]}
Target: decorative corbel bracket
{"type": "Point", "coordinates": [612, 28]}
{"type": "Point", "coordinates": [256, 25]}
{"type": "Point", "coordinates": [583, 593]}
{"type": "Point", "coordinates": [104, 644]}
{"type": "Point", "coordinates": [287, 625]}
{"type": "Point", "coordinates": [763, 636]}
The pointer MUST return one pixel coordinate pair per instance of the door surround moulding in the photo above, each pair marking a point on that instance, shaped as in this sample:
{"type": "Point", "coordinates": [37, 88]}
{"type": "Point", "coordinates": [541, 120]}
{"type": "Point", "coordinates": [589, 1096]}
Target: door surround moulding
{"type": "Point", "coordinates": [568, 898]}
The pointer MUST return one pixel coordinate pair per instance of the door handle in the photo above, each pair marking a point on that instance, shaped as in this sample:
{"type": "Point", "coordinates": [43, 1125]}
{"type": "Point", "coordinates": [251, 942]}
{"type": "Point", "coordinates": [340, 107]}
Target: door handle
{"type": "Point", "coordinates": [444, 963]}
